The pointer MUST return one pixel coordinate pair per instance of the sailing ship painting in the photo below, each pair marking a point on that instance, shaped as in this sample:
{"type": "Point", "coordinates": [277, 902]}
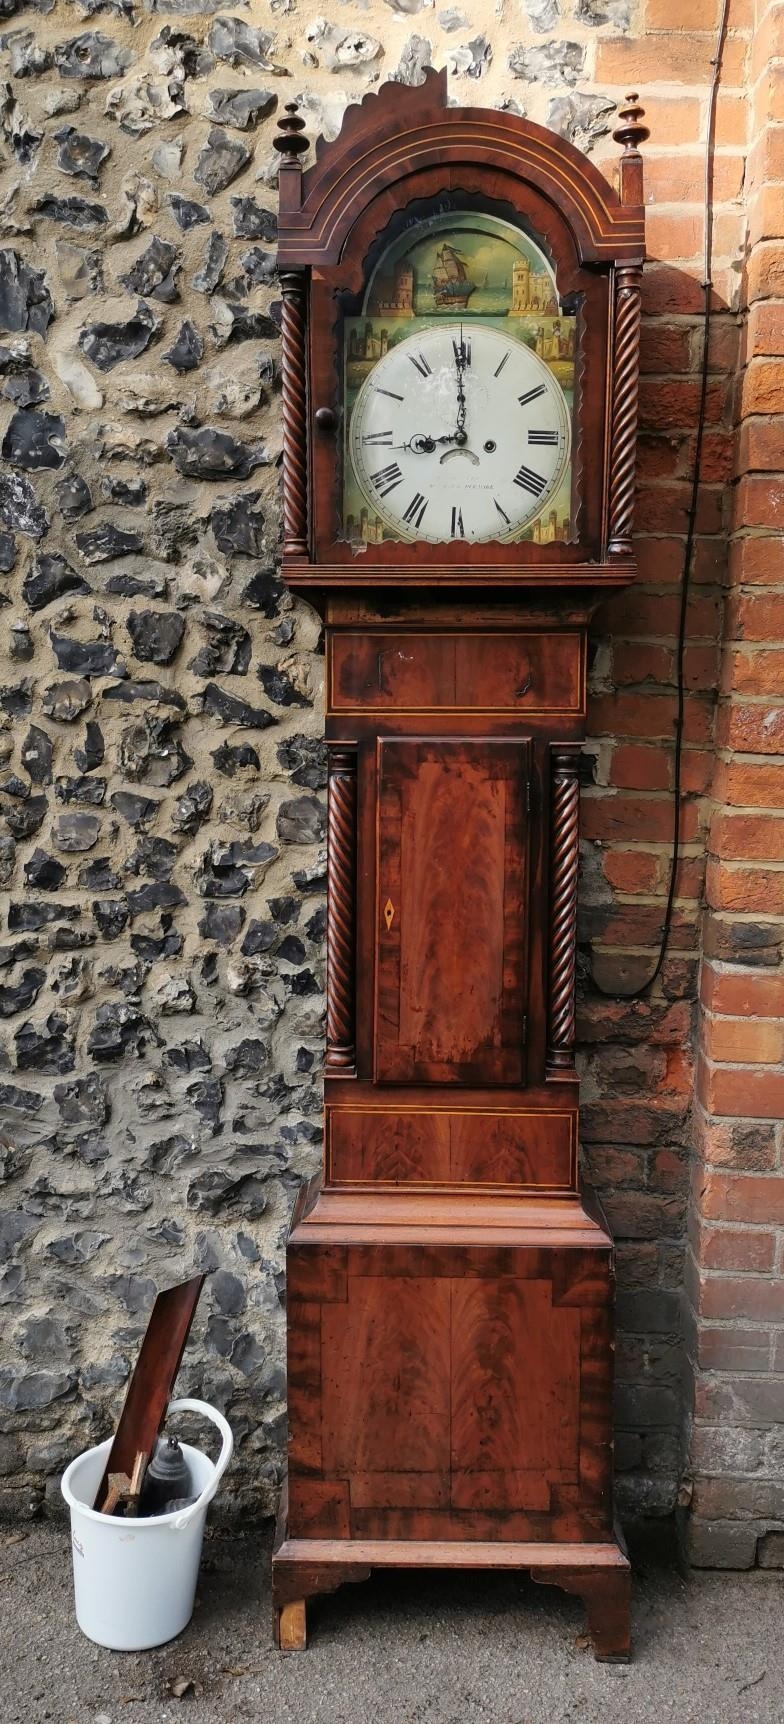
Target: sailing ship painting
{"type": "Point", "coordinates": [452, 285]}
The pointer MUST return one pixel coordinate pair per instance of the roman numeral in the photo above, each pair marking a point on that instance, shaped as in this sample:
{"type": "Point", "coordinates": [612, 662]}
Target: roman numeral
{"type": "Point", "coordinates": [380, 437]}
{"type": "Point", "coordinates": [420, 364]}
{"type": "Point", "coordinates": [458, 530]}
{"type": "Point", "coordinates": [416, 509]}
{"type": "Point", "coordinates": [387, 478]}
{"type": "Point", "coordinates": [531, 395]}
{"type": "Point", "coordinates": [502, 512]}
{"type": "Point", "coordinates": [545, 439]}
{"type": "Point", "coordinates": [462, 351]}
{"type": "Point", "coordinates": [499, 368]}
{"type": "Point", "coordinates": [389, 392]}
{"type": "Point", "coordinates": [529, 481]}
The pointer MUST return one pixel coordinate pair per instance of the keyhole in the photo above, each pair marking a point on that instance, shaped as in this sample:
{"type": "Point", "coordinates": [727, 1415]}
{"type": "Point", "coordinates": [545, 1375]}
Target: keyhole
{"type": "Point", "coordinates": [389, 913]}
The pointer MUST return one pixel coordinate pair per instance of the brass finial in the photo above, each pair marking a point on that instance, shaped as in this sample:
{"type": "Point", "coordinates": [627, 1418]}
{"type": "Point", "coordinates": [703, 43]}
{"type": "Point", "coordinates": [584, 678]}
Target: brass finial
{"type": "Point", "coordinates": [290, 141]}
{"type": "Point", "coordinates": [631, 134]}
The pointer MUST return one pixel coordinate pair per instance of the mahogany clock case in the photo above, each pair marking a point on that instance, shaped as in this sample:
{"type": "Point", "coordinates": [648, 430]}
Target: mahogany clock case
{"type": "Point", "coordinates": [450, 1284]}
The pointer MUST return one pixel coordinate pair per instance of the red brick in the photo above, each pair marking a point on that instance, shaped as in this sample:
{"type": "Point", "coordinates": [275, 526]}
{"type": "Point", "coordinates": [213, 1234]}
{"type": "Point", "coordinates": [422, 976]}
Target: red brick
{"type": "Point", "coordinates": [674, 235]}
{"type": "Point", "coordinates": [759, 501]}
{"type": "Point", "coordinates": [612, 816]}
{"type": "Point", "coordinates": [757, 561]}
{"type": "Point", "coordinates": [688, 15]}
{"type": "Point", "coordinates": [752, 670]}
{"type": "Point", "coordinates": [767, 42]}
{"type": "Point", "coordinates": [659, 456]}
{"type": "Point", "coordinates": [751, 729]}
{"type": "Point", "coordinates": [758, 1041]}
{"type": "Point", "coordinates": [718, 451]}
{"type": "Point", "coordinates": [748, 837]}
{"type": "Point", "coordinates": [765, 329]}
{"type": "Point", "coordinates": [634, 767]}
{"type": "Point", "coordinates": [745, 1092]}
{"type": "Point", "coordinates": [665, 507]}
{"type": "Point", "coordinates": [733, 1349]}
{"type": "Point", "coordinates": [764, 215]}
{"type": "Point", "coordinates": [751, 891]}
{"type": "Point", "coordinates": [672, 403]}
{"type": "Point", "coordinates": [664, 347]}
{"type": "Point", "coordinates": [680, 178]}
{"type": "Point", "coordinates": [765, 275]}
{"type": "Point", "coordinates": [738, 992]}
{"type": "Point", "coordinates": [766, 158]}
{"type": "Point", "coordinates": [767, 105]}
{"type": "Point", "coordinates": [633, 871]}
{"type": "Point", "coordinates": [763, 386]}
{"type": "Point", "coordinates": [743, 1197]}
{"type": "Point", "coordinates": [744, 1146]}
{"type": "Point", "coordinates": [667, 291]}
{"type": "Point", "coordinates": [666, 57]}
{"type": "Point", "coordinates": [755, 616]}
{"type": "Point", "coordinates": [760, 446]}
{"type": "Point", "coordinates": [644, 611]}
{"type": "Point", "coordinates": [726, 1297]}
{"type": "Point", "coordinates": [642, 661]}
{"type": "Point", "coordinates": [736, 1248]}
{"type": "Point", "coordinates": [649, 715]}
{"type": "Point", "coordinates": [743, 785]}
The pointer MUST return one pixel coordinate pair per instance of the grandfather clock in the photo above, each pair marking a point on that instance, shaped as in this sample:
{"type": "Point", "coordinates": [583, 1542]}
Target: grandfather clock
{"type": "Point", "coordinates": [461, 308]}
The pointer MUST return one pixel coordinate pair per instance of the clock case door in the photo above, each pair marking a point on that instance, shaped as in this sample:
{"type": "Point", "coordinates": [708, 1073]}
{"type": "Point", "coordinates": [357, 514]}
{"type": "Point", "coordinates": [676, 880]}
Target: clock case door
{"type": "Point", "coordinates": [582, 294]}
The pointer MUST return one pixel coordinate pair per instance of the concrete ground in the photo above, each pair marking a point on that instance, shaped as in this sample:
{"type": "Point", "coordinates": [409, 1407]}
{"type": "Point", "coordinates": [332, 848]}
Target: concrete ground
{"type": "Point", "coordinates": [434, 1649]}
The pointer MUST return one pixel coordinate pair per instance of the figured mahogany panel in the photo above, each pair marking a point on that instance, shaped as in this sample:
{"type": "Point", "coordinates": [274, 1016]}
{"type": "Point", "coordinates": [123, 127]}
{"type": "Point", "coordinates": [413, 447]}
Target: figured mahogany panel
{"type": "Point", "coordinates": [471, 671]}
{"type": "Point", "coordinates": [451, 920]}
{"type": "Point", "coordinates": [436, 1146]}
{"type": "Point", "coordinates": [456, 1400]}
{"type": "Point", "coordinates": [385, 1377]}
{"type": "Point", "coordinates": [508, 1408]}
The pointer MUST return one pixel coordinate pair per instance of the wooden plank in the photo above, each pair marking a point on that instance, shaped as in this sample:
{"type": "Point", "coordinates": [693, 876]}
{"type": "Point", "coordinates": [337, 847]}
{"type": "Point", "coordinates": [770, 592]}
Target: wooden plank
{"type": "Point", "coordinates": [150, 1387]}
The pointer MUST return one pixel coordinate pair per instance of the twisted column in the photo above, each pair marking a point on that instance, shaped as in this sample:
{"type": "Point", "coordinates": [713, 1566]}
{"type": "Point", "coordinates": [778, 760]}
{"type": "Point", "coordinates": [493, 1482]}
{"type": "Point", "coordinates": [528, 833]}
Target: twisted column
{"type": "Point", "coordinates": [295, 430]}
{"type": "Point", "coordinates": [625, 395]}
{"type": "Point", "coordinates": [564, 860]}
{"type": "Point", "coordinates": [341, 907]}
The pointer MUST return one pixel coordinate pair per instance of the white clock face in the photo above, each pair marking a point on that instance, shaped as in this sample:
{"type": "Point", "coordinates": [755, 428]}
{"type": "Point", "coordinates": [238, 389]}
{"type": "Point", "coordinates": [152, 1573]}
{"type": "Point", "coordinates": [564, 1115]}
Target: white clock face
{"type": "Point", "coordinates": [459, 432]}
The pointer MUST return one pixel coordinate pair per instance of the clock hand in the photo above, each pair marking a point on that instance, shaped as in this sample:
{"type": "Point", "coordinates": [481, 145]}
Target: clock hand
{"type": "Point", "coordinates": [461, 359]}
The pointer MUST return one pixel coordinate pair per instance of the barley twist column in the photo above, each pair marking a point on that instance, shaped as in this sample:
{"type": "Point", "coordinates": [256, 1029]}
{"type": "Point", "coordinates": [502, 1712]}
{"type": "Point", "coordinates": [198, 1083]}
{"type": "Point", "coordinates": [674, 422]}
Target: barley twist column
{"type": "Point", "coordinates": [625, 395]}
{"type": "Point", "coordinates": [341, 880]}
{"type": "Point", "coordinates": [564, 861]}
{"type": "Point", "coordinates": [295, 396]}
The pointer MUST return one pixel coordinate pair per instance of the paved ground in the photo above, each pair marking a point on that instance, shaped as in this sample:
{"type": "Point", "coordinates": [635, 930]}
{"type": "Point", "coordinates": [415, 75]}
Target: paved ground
{"type": "Point", "coordinates": [398, 1650]}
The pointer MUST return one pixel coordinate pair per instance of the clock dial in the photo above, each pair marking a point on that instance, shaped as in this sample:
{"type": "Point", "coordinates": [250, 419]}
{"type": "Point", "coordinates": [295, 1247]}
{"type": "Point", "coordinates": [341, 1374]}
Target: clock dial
{"type": "Point", "coordinates": [460, 432]}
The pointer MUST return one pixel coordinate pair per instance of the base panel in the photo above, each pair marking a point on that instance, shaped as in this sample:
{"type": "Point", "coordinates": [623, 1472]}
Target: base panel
{"type": "Point", "coordinates": [598, 1573]}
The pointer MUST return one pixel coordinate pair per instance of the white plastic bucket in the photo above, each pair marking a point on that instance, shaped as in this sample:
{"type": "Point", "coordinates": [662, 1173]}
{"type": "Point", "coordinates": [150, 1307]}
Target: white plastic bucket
{"type": "Point", "coordinates": [135, 1580]}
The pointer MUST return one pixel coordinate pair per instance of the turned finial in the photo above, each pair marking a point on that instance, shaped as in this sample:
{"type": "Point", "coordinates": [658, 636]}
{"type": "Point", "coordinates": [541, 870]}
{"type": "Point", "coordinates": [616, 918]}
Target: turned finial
{"type": "Point", "coordinates": [289, 141]}
{"type": "Point", "coordinates": [631, 134]}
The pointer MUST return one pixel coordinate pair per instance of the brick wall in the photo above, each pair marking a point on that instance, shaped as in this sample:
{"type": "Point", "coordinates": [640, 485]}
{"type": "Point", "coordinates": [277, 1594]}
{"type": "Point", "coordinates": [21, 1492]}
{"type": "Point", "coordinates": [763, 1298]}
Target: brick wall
{"type": "Point", "coordinates": [637, 1058]}
{"type": "Point", "coordinates": [736, 1235]}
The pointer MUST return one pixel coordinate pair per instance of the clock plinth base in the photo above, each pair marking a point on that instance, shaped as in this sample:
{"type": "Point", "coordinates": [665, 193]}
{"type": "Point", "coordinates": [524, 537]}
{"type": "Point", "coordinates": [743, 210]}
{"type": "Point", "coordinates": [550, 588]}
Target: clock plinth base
{"type": "Point", "coordinates": [598, 1573]}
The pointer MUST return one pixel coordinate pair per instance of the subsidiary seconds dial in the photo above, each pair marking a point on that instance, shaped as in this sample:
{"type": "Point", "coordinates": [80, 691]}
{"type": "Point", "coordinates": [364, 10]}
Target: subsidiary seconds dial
{"type": "Point", "coordinates": [459, 432]}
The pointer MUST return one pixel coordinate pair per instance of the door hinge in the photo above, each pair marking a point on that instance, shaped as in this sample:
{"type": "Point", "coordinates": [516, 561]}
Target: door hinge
{"type": "Point", "coordinates": [528, 797]}
{"type": "Point", "coordinates": [524, 1028]}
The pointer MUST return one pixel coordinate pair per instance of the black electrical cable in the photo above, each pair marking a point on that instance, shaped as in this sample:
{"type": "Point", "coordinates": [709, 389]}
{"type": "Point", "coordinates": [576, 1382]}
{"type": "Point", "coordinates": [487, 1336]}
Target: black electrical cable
{"type": "Point", "coordinates": [691, 525]}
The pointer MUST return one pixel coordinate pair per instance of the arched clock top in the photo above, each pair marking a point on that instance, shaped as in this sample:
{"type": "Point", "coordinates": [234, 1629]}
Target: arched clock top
{"type": "Point", "coordinates": [383, 144]}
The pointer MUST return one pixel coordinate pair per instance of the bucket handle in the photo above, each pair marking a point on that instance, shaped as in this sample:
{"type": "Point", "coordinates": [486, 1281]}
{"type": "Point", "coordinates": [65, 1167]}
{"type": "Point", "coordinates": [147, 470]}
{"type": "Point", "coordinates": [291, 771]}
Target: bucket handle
{"type": "Point", "coordinates": [227, 1445]}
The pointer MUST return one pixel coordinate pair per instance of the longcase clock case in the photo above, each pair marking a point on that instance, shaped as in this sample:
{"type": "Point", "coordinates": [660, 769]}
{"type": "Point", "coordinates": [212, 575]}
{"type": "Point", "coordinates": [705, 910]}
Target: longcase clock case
{"type": "Point", "coordinates": [450, 1282]}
